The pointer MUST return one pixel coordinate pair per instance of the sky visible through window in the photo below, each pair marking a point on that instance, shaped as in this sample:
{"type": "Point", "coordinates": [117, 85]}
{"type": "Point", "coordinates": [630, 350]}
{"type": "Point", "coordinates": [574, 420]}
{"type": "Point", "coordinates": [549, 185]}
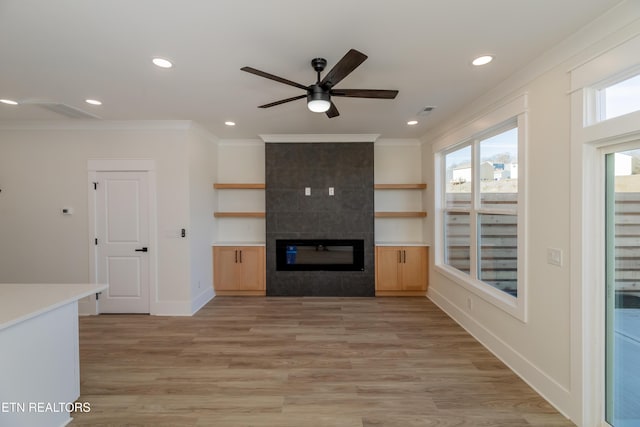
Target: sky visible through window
{"type": "Point", "coordinates": [622, 98]}
{"type": "Point", "coordinates": [503, 143]}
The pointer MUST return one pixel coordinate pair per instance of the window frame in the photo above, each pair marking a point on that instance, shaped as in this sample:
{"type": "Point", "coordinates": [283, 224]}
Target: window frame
{"type": "Point", "coordinates": [508, 116]}
{"type": "Point", "coordinates": [595, 102]}
{"type": "Point", "coordinates": [590, 141]}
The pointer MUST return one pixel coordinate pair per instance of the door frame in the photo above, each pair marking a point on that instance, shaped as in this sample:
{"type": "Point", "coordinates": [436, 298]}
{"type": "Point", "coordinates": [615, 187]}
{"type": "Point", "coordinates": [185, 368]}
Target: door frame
{"type": "Point", "coordinates": [590, 138]}
{"type": "Point", "coordinates": [122, 165]}
{"type": "Point", "coordinates": [588, 273]}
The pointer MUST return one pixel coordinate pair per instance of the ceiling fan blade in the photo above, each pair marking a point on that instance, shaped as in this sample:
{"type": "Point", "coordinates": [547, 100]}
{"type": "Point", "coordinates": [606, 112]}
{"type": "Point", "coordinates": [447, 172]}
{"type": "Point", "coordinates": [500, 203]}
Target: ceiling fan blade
{"type": "Point", "coordinates": [365, 93]}
{"type": "Point", "coordinates": [282, 101]}
{"type": "Point", "coordinates": [333, 111]}
{"type": "Point", "coordinates": [272, 77]}
{"type": "Point", "coordinates": [346, 65]}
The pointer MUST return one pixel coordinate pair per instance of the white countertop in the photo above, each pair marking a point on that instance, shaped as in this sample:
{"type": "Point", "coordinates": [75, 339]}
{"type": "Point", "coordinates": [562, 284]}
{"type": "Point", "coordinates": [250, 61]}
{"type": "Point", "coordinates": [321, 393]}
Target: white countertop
{"type": "Point", "coordinates": [263, 244]}
{"type": "Point", "coordinates": [401, 244]}
{"type": "Point", "coordinates": [238, 244]}
{"type": "Point", "coordinates": [22, 301]}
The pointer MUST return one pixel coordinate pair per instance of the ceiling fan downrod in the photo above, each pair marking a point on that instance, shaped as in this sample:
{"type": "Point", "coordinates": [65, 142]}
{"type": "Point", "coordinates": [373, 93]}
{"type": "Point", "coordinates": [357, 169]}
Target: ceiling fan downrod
{"type": "Point", "coordinates": [318, 64]}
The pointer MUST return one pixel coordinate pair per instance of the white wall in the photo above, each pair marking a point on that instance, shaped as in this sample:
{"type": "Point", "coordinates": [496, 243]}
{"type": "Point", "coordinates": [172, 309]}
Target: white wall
{"type": "Point", "coordinates": [43, 170]}
{"type": "Point", "coordinates": [540, 349]}
{"type": "Point", "coordinates": [399, 161]}
{"type": "Point", "coordinates": [396, 161]}
{"type": "Point", "coordinates": [202, 174]}
{"type": "Point", "coordinates": [240, 161]}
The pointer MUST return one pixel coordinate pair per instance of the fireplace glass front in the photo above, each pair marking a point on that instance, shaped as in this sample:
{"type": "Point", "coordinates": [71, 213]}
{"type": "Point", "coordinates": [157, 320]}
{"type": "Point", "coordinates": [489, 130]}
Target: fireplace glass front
{"type": "Point", "coordinates": [320, 254]}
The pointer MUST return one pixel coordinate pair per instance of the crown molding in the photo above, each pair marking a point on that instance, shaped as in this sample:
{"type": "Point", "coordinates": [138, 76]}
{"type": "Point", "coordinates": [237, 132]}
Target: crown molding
{"type": "Point", "coordinates": [240, 142]}
{"type": "Point", "coordinates": [395, 142]}
{"type": "Point", "coordinates": [96, 125]}
{"type": "Point", "coordinates": [303, 138]}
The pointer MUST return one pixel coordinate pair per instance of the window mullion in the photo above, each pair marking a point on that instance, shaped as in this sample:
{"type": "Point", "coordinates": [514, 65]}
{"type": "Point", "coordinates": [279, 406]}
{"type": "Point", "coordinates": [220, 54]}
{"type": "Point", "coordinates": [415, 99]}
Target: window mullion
{"type": "Point", "coordinates": [473, 214]}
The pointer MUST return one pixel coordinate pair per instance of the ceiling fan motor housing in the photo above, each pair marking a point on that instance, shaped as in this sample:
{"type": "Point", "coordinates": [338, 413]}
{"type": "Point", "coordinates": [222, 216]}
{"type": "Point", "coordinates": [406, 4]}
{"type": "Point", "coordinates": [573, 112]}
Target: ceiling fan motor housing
{"type": "Point", "coordinates": [317, 93]}
{"type": "Point", "coordinates": [318, 64]}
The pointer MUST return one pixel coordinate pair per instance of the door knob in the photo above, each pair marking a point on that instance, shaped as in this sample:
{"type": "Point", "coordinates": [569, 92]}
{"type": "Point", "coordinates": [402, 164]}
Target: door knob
{"type": "Point", "coordinates": [142, 250]}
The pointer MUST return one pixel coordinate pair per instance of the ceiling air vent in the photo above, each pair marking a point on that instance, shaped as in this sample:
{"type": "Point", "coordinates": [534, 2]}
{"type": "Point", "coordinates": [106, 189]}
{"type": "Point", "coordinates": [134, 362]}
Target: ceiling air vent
{"type": "Point", "coordinates": [67, 110]}
{"type": "Point", "coordinates": [62, 109]}
{"type": "Point", "coordinates": [426, 110]}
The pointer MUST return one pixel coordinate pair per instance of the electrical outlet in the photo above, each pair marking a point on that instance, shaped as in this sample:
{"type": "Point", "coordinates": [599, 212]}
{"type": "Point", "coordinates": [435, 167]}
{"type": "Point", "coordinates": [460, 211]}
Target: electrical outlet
{"type": "Point", "coordinates": [307, 191]}
{"type": "Point", "coordinates": [331, 191]}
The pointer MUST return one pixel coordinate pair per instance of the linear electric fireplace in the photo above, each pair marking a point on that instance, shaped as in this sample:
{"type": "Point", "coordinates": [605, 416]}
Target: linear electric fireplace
{"type": "Point", "coordinates": [319, 254]}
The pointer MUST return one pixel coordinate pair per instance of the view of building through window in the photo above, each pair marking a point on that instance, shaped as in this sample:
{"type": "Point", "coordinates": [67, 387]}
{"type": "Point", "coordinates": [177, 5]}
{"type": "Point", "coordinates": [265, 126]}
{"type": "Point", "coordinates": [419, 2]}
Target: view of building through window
{"type": "Point", "coordinates": [495, 165]}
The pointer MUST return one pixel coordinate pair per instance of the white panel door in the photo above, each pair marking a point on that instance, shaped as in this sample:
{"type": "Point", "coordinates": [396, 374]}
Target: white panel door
{"type": "Point", "coordinates": [122, 224]}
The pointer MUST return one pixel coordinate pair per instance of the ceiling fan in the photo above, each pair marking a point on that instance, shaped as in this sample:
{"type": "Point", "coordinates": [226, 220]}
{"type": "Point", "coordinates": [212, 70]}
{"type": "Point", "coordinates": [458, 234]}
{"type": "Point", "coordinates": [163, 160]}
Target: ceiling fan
{"type": "Point", "coordinates": [319, 94]}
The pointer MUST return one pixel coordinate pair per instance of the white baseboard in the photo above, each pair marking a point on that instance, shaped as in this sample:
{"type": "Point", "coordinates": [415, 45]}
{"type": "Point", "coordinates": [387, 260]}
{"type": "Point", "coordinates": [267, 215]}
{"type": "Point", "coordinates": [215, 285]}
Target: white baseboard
{"type": "Point", "coordinates": [161, 308]}
{"type": "Point", "coordinates": [547, 387]}
{"type": "Point", "coordinates": [182, 308]}
{"type": "Point", "coordinates": [200, 301]}
{"type": "Point", "coordinates": [171, 308]}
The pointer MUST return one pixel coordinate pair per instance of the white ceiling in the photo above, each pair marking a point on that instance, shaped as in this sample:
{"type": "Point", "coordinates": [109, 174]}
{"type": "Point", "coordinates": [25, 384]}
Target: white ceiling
{"type": "Point", "coordinates": [66, 51]}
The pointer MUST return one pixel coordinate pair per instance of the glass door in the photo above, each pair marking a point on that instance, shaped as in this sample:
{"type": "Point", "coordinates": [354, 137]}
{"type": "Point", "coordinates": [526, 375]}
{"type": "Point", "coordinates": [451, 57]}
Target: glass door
{"type": "Point", "coordinates": [622, 315]}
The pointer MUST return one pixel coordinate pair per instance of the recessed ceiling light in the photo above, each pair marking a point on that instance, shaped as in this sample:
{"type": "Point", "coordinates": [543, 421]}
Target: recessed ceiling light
{"type": "Point", "coordinates": [229, 123]}
{"type": "Point", "coordinates": [482, 60]}
{"type": "Point", "coordinates": [93, 101]}
{"type": "Point", "coordinates": [8, 101]}
{"type": "Point", "coordinates": [162, 63]}
{"type": "Point", "coordinates": [412, 122]}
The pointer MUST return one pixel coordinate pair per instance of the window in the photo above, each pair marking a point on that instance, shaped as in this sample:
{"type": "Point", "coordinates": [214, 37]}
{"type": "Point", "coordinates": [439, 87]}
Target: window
{"type": "Point", "coordinates": [619, 99]}
{"type": "Point", "coordinates": [481, 201]}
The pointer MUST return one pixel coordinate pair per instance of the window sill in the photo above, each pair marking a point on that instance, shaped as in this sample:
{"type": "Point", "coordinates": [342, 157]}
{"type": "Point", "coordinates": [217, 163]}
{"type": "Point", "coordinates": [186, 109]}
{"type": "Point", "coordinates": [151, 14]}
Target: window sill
{"type": "Point", "coordinates": [511, 305]}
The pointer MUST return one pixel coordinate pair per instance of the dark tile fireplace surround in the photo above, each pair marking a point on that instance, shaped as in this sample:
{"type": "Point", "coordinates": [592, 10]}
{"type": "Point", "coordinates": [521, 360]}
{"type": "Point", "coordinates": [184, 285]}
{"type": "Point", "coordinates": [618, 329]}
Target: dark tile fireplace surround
{"type": "Point", "coordinates": [291, 216]}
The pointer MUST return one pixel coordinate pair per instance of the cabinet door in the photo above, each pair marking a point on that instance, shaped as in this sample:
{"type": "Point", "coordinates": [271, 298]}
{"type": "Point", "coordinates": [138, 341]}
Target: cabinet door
{"type": "Point", "coordinates": [251, 260]}
{"type": "Point", "coordinates": [387, 268]}
{"type": "Point", "coordinates": [226, 268]}
{"type": "Point", "coordinates": [414, 268]}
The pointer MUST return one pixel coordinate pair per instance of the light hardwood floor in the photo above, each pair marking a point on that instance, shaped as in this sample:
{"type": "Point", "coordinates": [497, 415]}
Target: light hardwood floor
{"type": "Point", "coordinates": [298, 362]}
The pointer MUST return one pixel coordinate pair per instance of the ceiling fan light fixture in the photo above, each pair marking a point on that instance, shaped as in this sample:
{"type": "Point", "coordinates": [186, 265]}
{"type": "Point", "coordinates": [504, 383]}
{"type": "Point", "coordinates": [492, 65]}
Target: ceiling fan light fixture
{"type": "Point", "coordinates": [319, 106]}
{"type": "Point", "coordinates": [318, 99]}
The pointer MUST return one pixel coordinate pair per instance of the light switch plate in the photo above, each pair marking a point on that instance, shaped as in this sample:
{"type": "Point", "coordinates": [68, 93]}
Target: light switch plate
{"type": "Point", "coordinates": [554, 256]}
{"type": "Point", "coordinates": [307, 191]}
{"type": "Point", "coordinates": [331, 191]}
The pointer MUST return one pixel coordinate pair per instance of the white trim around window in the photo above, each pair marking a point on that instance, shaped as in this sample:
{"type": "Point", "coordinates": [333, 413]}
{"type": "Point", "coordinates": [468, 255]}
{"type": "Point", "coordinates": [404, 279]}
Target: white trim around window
{"type": "Point", "coordinates": [591, 140]}
{"type": "Point", "coordinates": [501, 118]}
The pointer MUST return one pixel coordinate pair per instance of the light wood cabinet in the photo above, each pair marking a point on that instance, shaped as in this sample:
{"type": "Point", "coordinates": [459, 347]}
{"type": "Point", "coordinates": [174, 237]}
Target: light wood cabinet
{"type": "Point", "coordinates": [401, 270]}
{"type": "Point", "coordinates": [239, 270]}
